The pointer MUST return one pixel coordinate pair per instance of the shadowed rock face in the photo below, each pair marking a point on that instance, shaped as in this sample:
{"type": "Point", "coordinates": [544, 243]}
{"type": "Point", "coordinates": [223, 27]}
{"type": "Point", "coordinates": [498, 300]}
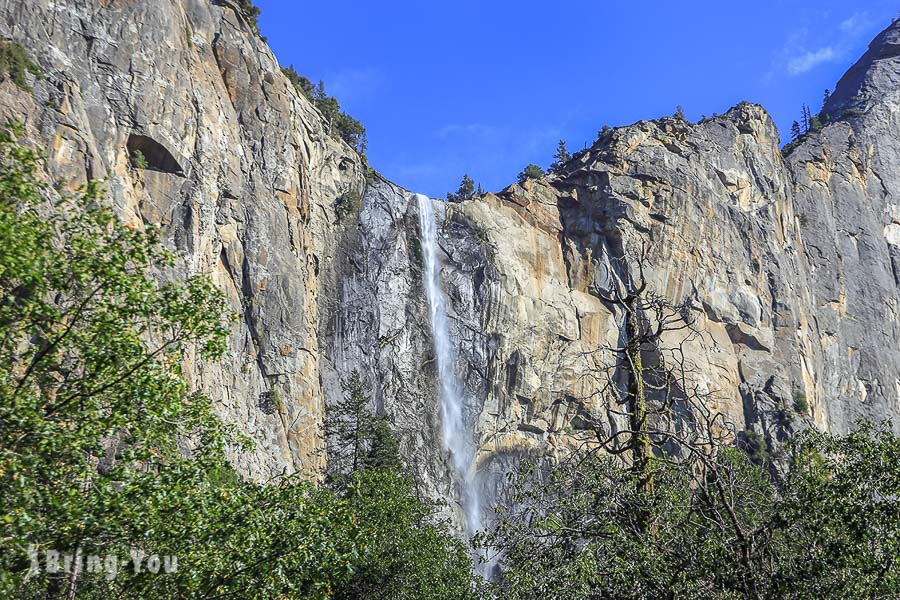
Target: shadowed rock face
{"type": "Point", "coordinates": [789, 267]}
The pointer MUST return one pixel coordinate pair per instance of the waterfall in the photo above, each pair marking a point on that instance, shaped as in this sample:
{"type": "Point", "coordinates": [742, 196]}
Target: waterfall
{"type": "Point", "coordinates": [457, 434]}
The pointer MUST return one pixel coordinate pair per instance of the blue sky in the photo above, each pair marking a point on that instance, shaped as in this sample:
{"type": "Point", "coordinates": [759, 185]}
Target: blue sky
{"type": "Point", "coordinates": [485, 87]}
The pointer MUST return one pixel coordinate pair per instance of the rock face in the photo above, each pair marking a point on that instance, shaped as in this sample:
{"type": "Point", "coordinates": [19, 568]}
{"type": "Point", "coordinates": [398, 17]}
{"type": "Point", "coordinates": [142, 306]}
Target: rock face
{"type": "Point", "coordinates": [242, 180]}
{"type": "Point", "coordinates": [787, 266]}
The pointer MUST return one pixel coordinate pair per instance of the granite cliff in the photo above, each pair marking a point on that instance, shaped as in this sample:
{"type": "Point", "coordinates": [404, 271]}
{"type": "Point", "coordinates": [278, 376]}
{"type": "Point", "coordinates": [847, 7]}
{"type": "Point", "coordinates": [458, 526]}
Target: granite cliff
{"type": "Point", "coordinates": [788, 265]}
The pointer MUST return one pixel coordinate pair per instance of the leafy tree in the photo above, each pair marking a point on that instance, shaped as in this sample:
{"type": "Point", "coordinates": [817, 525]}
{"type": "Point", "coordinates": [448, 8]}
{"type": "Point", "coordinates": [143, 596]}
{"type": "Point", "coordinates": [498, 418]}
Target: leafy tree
{"type": "Point", "coordinates": [815, 123]}
{"type": "Point", "coordinates": [384, 450]}
{"type": "Point", "coordinates": [531, 171]}
{"type": "Point", "coordinates": [352, 131]}
{"type": "Point", "coordinates": [465, 191]}
{"type": "Point", "coordinates": [830, 528]}
{"type": "Point", "coordinates": [104, 450]}
{"type": "Point", "coordinates": [795, 130]}
{"type": "Point", "coordinates": [560, 157]}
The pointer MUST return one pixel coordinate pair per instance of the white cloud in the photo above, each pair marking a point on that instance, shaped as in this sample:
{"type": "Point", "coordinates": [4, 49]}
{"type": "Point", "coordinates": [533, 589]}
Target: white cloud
{"type": "Point", "coordinates": [856, 23]}
{"type": "Point", "coordinates": [354, 85]}
{"type": "Point", "coordinates": [811, 59]}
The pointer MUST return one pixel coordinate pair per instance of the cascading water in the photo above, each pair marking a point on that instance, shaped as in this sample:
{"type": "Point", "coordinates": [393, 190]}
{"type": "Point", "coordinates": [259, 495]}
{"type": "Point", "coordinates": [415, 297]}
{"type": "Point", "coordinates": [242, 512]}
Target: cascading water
{"type": "Point", "coordinates": [458, 437]}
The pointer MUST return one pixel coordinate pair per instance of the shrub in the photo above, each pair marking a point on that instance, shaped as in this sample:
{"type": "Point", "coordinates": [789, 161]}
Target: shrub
{"type": "Point", "coordinates": [349, 203]}
{"type": "Point", "coordinates": [417, 255]}
{"type": "Point", "coordinates": [801, 404]}
{"type": "Point", "coordinates": [754, 446]}
{"type": "Point", "coordinates": [138, 160]}
{"type": "Point", "coordinates": [531, 171]}
{"type": "Point", "coordinates": [16, 64]}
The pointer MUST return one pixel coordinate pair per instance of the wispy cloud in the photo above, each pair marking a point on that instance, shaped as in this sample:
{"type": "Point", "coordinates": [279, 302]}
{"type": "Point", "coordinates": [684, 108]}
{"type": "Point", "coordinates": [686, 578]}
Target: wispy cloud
{"type": "Point", "coordinates": [856, 23]}
{"type": "Point", "coordinates": [354, 85]}
{"type": "Point", "coordinates": [806, 49]}
{"type": "Point", "coordinates": [477, 130]}
{"type": "Point", "coordinates": [811, 59]}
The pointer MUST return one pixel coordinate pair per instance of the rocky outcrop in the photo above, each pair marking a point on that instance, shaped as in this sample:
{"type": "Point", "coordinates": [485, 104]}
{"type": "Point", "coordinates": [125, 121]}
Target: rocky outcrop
{"type": "Point", "coordinates": [241, 177]}
{"type": "Point", "coordinates": [787, 267]}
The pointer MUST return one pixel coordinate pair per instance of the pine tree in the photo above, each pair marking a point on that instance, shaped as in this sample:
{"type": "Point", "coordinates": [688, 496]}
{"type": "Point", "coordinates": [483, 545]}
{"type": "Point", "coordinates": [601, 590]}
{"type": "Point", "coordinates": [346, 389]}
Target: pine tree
{"type": "Point", "coordinates": [531, 171]}
{"type": "Point", "coordinates": [560, 158]}
{"type": "Point", "coordinates": [679, 113]}
{"type": "Point", "coordinates": [465, 191]}
{"type": "Point", "coordinates": [795, 130]}
{"type": "Point", "coordinates": [806, 119]}
{"type": "Point", "coordinates": [384, 449]}
{"type": "Point", "coordinates": [348, 426]}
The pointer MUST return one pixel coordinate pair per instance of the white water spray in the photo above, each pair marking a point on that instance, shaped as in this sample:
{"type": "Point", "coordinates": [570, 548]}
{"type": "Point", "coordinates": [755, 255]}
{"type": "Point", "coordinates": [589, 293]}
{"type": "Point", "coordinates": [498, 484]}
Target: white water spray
{"type": "Point", "coordinates": [458, 438]}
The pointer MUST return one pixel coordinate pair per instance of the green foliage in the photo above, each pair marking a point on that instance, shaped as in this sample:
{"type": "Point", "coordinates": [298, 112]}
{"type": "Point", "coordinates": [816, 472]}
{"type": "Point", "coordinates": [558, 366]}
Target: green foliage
{"type": "Point", "coordinates": [808, 123]}
{"type": "Point", "coordinates": [301, 83]}
{"type": "Point", "coordinates": [679, 113]}
{"type": "Point", "coordinates": [560, 157]}
{"type": "Point", "coordinates": [251, 13]}
{"type": "Point", "coordinates": [465, 191]}
{"type": "Point", "coordinates": [406, 554]}
{"type": "Point", "coordinates": [336, 121]}
{"type": "Point", "coordinates": [418, 257]}
{"type": "Point", "coordinates": [801, 404]}
{"type": "Point", "coordinates": [531, 171]}
{"type": "Point", "coordinates": [138, 160]}
{"type": "Point", "coordinates": [348, 204]}
{"type": "Point", "coordinates": [754, 446]}
{"type": "Point", "coordinates": [411, 555]}
{"type": "Point", "coordinates": [828, 528]}
{"type": "Point", "coordinates": [104, 449]}
{"type": "Point", "coordinates": [16, 64]}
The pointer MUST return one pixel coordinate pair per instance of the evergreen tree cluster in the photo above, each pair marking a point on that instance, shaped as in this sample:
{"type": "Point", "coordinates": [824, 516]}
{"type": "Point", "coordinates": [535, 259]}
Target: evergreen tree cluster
{"type": "Point", "coordinates": [251, 12]}
{"type": "Point", "coordinates": [808, 123]}
{"type": "Point", "coordinates": [337, 122]}
{"type": "Point", "coordinates": [467, 190]}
